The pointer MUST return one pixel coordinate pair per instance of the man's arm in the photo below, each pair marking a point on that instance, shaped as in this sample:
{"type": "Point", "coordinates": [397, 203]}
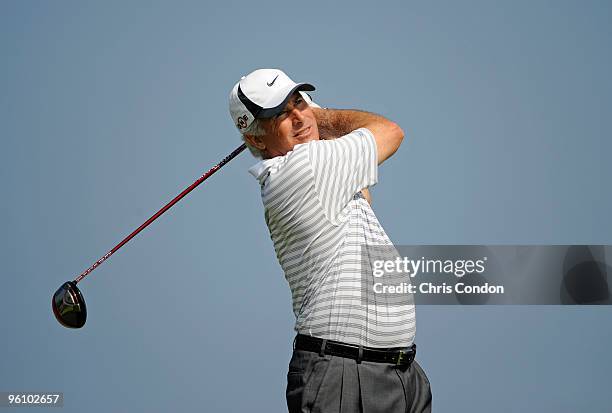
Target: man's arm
{"type": "Point", "coordinates": [366, 194]}
{"type": "Point", "coordinates": [333, 123]}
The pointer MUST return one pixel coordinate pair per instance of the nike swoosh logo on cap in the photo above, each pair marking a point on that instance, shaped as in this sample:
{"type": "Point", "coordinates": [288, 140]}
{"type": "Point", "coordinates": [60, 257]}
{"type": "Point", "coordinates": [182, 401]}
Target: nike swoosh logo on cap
{"type": "Point", "coordinates": [272, 82]}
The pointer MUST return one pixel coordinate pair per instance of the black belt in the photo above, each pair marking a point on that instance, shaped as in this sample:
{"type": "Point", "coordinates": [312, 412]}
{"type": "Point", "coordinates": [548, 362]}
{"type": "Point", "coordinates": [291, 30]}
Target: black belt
{"type": "Point", "coordinates": [397, 356]}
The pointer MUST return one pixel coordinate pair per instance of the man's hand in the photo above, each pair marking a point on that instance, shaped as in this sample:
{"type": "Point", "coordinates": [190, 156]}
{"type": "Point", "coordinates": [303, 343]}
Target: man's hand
{"type": "Point", "coordinates": [333, 123]}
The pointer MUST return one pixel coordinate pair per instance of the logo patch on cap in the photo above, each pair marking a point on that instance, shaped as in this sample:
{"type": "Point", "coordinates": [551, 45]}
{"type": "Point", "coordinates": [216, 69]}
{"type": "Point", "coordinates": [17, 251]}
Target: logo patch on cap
{"type": "Point", "coordinates": [241, 122]}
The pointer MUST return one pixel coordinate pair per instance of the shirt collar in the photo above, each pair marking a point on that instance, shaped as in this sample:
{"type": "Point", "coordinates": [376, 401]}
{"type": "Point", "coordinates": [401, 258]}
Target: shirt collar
{"type": "Point", "coordinates": [261, 168]}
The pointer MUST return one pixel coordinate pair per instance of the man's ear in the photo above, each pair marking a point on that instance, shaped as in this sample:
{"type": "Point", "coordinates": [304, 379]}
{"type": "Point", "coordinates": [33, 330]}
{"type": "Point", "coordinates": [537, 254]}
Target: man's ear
{"type": "Point", "coordinates": [255, 141]}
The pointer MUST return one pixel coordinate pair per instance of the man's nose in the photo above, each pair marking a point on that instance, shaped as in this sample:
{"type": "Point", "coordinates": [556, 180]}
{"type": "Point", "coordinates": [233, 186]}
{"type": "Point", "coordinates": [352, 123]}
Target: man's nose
{"type": "Point", "coordinates": [298, 117]}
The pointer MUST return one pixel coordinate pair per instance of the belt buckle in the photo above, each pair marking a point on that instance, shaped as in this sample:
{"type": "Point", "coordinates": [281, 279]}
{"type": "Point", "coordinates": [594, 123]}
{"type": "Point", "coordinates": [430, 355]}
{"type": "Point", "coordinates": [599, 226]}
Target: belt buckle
{"type": "Point", "coordinates": [400, 358]}
{"type": "Point", "coordinates": [405, 357]}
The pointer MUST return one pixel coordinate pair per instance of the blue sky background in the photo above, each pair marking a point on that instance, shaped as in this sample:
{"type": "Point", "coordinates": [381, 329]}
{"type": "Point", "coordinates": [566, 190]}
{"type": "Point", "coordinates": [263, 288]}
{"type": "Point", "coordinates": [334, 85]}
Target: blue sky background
{"type": "Point", "coordinates": [109, 109]}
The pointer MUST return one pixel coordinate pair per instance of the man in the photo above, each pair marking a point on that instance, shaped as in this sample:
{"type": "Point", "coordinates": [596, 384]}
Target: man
{"type": "Point", "coordinates": [353, 352]}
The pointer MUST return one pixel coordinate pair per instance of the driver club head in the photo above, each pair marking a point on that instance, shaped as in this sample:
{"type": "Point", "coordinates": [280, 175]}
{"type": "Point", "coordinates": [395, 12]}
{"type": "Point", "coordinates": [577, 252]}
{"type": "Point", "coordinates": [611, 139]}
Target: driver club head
{"type": "Point", "coordinates": [69, 306]}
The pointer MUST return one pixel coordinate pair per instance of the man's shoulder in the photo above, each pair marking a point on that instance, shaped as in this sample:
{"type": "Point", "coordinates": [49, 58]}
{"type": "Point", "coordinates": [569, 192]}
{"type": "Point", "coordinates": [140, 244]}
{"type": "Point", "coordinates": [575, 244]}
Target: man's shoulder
{"type": "Point", "coordinates": [355, 135]}
{"type": "Point", "coordinates": [343, 145]}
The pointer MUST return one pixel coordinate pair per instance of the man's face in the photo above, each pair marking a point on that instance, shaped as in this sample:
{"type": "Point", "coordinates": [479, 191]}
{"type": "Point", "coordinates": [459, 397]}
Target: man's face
{"type": "Point", "coordinates": [294, 125]}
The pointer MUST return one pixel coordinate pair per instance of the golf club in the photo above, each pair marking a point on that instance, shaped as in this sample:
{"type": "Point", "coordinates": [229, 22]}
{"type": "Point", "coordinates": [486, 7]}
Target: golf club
{"type": "Point", "coordinates": [68, 303]}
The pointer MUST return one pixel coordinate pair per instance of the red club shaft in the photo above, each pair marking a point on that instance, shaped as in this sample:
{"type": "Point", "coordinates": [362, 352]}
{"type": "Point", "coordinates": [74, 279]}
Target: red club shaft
{"type": "Point", "coordinates": [161, 211]}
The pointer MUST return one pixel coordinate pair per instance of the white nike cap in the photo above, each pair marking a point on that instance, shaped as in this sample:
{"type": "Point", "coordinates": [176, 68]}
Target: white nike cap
{"type": "Point", "coordinates": [262, 94]}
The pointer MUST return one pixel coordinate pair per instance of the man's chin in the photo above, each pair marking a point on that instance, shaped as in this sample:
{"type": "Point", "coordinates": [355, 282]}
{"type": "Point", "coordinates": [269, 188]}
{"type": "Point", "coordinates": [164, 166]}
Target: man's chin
{"type": "Point", "coordinates": [310, 135]}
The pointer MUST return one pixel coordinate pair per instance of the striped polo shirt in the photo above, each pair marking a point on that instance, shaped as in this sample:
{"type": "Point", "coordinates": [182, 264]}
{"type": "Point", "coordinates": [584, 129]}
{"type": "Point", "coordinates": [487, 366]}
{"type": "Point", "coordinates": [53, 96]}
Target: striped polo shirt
{"type": "Point", "coordinates": [319, 222]}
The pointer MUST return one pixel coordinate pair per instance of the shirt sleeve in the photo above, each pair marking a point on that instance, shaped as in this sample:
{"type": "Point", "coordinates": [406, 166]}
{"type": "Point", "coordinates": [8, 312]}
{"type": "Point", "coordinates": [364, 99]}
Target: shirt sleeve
{"type": "Point", "coordinates": [341, 168]}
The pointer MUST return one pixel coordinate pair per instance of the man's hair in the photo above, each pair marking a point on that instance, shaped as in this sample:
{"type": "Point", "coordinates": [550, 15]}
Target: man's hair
{"type": "Point", "coordinates": [255, 129]}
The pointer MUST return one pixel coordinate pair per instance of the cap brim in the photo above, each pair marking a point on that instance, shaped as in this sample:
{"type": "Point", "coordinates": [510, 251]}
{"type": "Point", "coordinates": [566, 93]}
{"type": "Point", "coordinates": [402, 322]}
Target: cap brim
{"type": "Point", "coordinates": [271, 112]}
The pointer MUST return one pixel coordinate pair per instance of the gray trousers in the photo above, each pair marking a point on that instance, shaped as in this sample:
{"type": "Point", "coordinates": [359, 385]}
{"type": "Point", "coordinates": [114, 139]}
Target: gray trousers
{"type": "Point", "coordinates": [336, 384]}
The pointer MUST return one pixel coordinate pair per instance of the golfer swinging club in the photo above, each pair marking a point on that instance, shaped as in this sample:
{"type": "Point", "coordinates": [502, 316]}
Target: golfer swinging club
{"type": "Point", "coordinates": [316, 165]}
